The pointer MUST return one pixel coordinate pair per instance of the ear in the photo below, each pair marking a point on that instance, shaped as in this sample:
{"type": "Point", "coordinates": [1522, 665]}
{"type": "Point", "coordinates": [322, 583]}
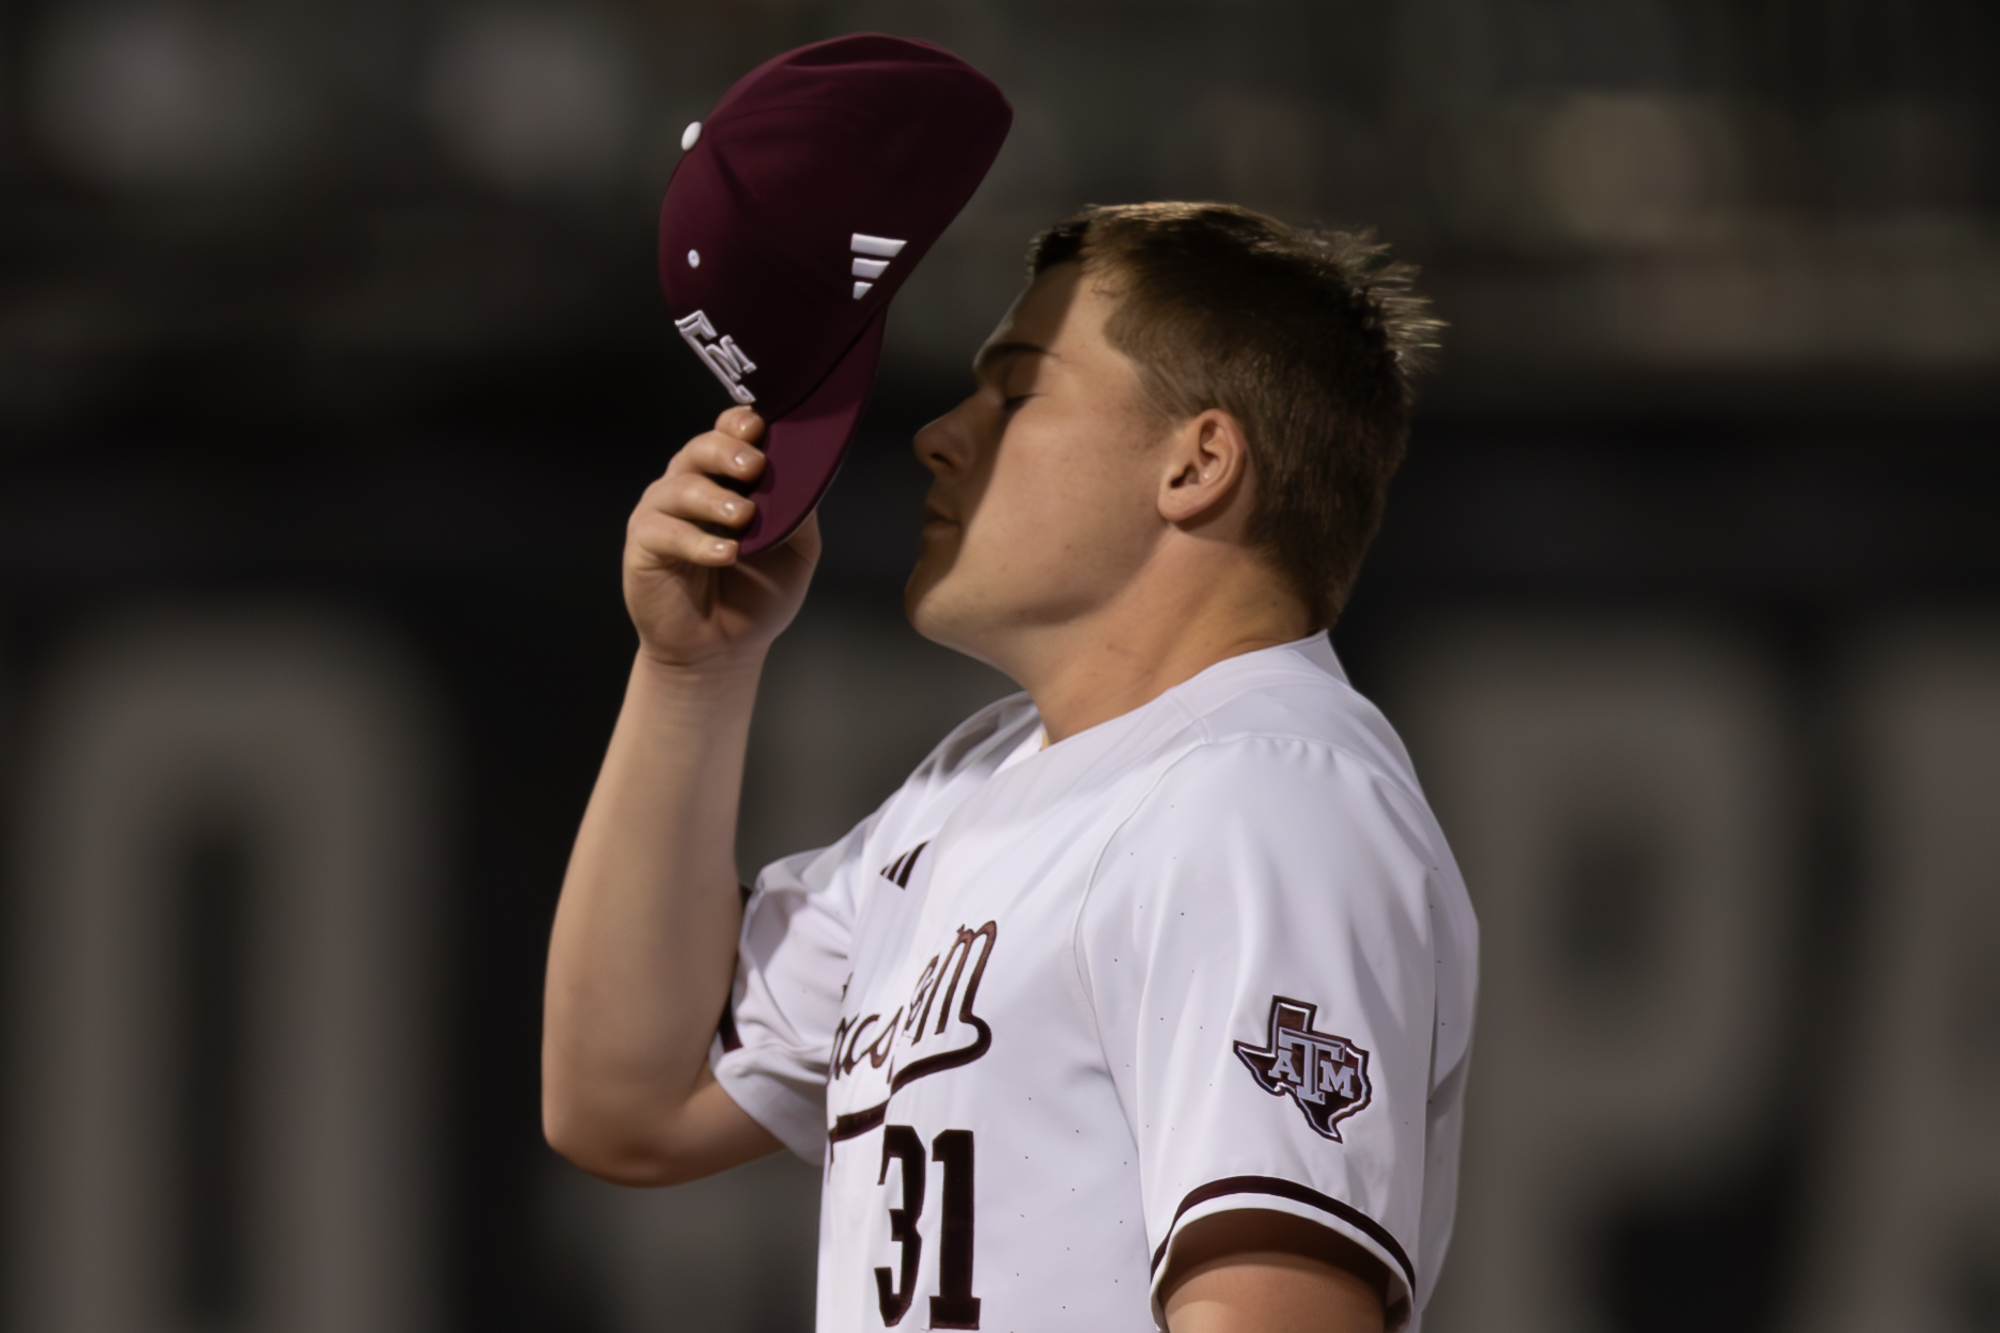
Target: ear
{"type": "Point", "coordinates": [1207, 465]}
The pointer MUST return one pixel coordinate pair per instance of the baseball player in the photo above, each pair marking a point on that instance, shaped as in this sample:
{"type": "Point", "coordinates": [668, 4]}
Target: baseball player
{"type": "Point", "coordinates": [1146, 1001]}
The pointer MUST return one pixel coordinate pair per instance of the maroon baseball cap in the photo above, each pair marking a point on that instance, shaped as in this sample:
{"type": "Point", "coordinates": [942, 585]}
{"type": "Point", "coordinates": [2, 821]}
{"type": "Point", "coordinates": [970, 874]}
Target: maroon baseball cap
{"type": "Point", "coordinates": [802, 202]}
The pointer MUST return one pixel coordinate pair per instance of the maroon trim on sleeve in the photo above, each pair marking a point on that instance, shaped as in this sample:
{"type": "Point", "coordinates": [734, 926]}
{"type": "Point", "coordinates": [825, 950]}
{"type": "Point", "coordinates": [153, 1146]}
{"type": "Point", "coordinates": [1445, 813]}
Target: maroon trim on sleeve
{"type": "Point", "coordinates": [725, 1028]}
{"type": "Point", "coordinates": [1297, 1193]}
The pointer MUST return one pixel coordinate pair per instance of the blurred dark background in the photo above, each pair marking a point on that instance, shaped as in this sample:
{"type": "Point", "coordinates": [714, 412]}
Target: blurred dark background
{"type": "Point", "coordinates": [331, 359]}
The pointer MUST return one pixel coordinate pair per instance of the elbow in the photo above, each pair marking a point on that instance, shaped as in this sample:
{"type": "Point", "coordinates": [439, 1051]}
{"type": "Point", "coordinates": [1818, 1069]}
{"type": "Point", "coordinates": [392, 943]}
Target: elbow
{"type": "Point", "coordinates": [608, 1148]}
{"type": "Point", "coordinates": [570, 1135]}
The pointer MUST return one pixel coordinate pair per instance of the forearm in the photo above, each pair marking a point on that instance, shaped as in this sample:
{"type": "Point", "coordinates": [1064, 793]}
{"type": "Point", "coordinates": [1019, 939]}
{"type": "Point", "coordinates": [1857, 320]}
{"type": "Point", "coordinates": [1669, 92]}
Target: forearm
{"type": "Point", "coordinates": [644, 943]}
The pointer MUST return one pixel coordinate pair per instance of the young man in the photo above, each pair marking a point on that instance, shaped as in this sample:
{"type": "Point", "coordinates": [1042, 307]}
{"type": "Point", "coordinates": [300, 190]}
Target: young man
{"type": "Point", "coordinates": [1148, 998]}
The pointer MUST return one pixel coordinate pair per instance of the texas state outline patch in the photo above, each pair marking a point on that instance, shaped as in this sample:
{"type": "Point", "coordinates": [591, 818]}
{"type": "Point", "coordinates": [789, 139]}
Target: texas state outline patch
{"type": "Point", "coordinates": [1326, 1075]}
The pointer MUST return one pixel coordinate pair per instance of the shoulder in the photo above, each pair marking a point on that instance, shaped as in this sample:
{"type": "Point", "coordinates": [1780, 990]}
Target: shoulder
{"type": "Point", "coordinates": [1270, 859]}
{"type": "Point", "coordinates": [1279, 706]}
{"type": "Point", "coordinates": [1262, 845]}
{"type": "Point", "coordinates": [1272, 737]}
{"type": "Point", "coordinates": [1274, 742]}
{"type": "Point", "coordinates": [1283, 776]}
{"type": "Point", "coordinates": [1266, 791]}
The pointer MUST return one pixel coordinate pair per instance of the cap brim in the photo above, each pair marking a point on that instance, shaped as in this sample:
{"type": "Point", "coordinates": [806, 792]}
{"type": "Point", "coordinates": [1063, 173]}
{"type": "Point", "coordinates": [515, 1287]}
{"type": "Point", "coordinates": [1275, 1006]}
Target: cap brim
{"type": "Point", "coordinates": [803, 448]}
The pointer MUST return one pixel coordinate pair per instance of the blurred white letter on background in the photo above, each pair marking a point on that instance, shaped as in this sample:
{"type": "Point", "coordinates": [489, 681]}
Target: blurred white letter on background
{"type": "Point", "coordinates": [1907, 1230]}
{"type": "Point", "coordinates": [1617, 800]}
{"type": "Point", "coordinates": [224, 984]}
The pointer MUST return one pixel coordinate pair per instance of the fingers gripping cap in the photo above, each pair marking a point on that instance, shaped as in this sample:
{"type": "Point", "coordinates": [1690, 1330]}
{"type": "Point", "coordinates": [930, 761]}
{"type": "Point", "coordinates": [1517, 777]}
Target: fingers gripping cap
{"type": "Point", "coordinates": [803, 202]}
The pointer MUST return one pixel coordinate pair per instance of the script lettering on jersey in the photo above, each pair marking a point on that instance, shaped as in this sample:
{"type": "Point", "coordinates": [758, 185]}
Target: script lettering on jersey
{"type": "Point", "coordinates": [924, 1036]}
{"type": "Point", "coordinates": [1327, 1076]}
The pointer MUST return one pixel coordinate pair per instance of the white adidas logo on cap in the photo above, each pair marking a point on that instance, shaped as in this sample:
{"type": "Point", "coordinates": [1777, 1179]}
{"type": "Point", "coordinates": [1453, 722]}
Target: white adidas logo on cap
{"type": "Point", "coordinates": [883, 249]}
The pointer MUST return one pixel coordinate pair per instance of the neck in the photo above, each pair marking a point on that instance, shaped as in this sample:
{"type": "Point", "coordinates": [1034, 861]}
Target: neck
{"type": "Point", "coordinates": [1159, 633]}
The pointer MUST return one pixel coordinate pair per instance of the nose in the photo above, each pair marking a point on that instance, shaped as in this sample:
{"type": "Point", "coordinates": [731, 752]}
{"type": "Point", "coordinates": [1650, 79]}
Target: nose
{"type": "Point", "coordinates": [944, 446]}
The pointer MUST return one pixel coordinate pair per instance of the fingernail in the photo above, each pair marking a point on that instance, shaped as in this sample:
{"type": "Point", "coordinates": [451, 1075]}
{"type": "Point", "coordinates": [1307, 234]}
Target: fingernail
{"type": "Point", "coordinates": [743, 460]}
{"type": "Point", "coordinates": [721, 547]}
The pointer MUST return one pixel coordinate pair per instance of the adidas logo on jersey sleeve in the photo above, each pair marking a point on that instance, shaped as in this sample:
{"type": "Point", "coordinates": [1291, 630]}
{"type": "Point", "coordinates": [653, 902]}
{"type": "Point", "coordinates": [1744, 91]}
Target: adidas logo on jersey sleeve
{"type": "Point", "coordinates": [898, 871]}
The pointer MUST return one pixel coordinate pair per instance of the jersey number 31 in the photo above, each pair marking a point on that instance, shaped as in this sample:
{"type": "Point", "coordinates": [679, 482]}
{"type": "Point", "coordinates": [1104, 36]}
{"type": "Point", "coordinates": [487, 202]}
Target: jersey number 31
{"type": "Point", "coordinates": [954, 1306]}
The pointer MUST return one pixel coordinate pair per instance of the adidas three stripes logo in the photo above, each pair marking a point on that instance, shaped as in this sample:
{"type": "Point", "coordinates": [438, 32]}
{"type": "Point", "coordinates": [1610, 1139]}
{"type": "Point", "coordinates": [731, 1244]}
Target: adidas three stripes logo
{"type": "Point", "coordinates": [873, 254]}
{"type": "Point", "coordinates": [897, 872]}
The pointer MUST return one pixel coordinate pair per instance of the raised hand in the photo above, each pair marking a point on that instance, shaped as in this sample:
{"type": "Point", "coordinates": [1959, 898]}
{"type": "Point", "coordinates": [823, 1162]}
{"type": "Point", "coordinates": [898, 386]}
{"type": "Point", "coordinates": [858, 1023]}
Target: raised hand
{"type": "Point", "coordinates": [694, 600]}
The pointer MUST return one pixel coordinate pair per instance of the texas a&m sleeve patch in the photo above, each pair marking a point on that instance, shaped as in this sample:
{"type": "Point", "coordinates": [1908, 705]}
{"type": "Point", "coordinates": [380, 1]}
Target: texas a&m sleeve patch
{"type": "Point", "coordinates": [1327, 1076]}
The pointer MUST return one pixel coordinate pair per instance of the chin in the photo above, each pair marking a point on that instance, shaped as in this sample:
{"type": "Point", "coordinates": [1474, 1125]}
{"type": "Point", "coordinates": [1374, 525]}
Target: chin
{"type": "Point", "coordinates": [920, 607]}
{"type": "Point", "coordinates": [924, 595]}
{"type": "Point", "coordinates": [934, 613]}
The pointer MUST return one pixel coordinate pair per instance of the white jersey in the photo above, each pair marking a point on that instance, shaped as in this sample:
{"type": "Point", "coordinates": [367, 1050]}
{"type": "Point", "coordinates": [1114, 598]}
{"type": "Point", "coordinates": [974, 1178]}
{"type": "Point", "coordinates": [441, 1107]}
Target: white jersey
{"type": "Point", "coordinates": [1047, 1006]}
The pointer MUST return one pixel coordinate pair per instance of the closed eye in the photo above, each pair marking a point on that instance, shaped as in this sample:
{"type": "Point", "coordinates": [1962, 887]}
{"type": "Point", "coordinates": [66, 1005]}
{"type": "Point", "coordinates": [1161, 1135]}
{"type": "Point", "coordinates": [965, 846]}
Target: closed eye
{"type": "Point", "coordinates": [1010, 405]}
